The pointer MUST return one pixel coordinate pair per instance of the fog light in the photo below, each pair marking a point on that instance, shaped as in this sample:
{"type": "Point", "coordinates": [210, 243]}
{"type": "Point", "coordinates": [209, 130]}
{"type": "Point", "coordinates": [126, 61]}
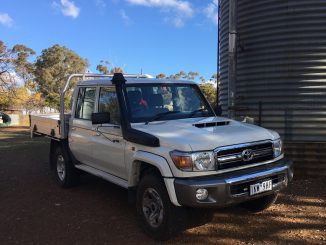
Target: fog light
{"type": "Point", "coordinates": [201, 194]}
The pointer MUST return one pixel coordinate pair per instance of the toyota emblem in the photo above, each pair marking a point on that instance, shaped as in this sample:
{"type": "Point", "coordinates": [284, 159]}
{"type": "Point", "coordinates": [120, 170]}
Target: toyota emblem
{"type": "Point", "coordinates": [247, 155]}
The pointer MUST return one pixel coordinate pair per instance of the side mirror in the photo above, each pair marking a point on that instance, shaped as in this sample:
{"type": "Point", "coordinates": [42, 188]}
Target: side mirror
{"type": "Point", "coordinates": [100, 117]}
{"type": "Point", "coordinates": [218, 110]}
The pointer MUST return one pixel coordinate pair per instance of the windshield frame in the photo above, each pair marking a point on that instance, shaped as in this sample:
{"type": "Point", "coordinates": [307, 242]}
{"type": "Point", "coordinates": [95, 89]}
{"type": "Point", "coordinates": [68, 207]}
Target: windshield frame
{"type": "Point", "coordinates": [210, 112]}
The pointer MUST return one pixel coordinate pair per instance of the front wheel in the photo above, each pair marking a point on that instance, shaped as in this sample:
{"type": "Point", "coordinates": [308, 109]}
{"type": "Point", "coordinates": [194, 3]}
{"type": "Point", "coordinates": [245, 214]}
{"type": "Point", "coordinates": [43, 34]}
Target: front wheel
{"type": "Point", "coordinates": [159, 218]}
{"type": "Point", "coordinates": [65, 172]}
{"type": "Point", "coordinates": [260, 204]}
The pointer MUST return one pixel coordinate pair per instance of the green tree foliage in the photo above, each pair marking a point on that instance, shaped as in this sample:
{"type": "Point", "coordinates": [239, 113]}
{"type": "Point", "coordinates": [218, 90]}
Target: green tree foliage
{"type": "Point", "coordinates": [182, 75]}
{"type": "Point", "coordinates": [116, 70]}
{"type": "Point", "coordinates": [192, 75]}
{"type": "Point", "coordinates": [14, 65]}
{"type": "Point", "coordinates": [51, 70]}
{"type": "Point", "coordinates": [216, 76]}
{"type": "Point", "coordinates": [104, 68]}
{"type": "Point", "coordinates": [210, 92]}
{"type": "Point", "coordinates": [161, 76]}
{"type": "Point", "coordinates": [208, 89]}
{"type": "Point", "coordinates": [23, 68]}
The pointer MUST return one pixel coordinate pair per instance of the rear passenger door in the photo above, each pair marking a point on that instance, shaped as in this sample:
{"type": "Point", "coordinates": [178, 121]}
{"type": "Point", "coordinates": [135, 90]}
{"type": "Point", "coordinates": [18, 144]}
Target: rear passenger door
{"type": "Point", "coordinates": [81, 133]}
{"type": "Point", "coordinates": [108, 150]}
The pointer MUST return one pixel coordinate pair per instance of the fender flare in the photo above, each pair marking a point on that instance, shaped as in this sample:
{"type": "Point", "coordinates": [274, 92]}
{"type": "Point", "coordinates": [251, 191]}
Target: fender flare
{"type": "Point", "coordinates": [157, 161]}
{"type": "Point", "coordinates": [161, 164]}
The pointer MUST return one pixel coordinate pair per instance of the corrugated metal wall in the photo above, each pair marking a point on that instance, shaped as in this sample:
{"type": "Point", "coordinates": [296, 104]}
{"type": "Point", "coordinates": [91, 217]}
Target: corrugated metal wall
{"type": "Point", "coordinates": [223, 49]}
{"type": "Point", "coordinates": [280, 69]}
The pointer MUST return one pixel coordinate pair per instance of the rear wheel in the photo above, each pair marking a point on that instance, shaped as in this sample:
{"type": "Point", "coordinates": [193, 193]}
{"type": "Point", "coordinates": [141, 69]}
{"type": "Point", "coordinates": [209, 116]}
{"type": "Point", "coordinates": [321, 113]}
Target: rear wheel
{"type": "Point", "coordinates": [260, 204]}
{"type": "Point", "coordinates": [159, 218]}
{"type": "Point", "coordinates": [65, 173]}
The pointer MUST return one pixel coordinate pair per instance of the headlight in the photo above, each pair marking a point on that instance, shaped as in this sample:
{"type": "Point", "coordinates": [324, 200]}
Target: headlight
{"type": "Point", "coordinates": [203, 161]}
{"type": "Point", "coordinates": [277, 147]}
{"type": "Point", "coordinates": [197, 161]}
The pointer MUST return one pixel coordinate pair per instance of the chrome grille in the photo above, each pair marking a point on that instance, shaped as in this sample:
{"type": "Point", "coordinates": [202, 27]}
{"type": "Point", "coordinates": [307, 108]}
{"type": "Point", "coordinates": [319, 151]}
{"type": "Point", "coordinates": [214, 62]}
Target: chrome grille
{"type": "Point", "coordinates": [233, 156]}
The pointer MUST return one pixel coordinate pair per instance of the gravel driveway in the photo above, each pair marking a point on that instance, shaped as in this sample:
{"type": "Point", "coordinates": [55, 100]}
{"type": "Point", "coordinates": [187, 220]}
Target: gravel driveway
{"type": "Point", "coordinates": [34, 210]}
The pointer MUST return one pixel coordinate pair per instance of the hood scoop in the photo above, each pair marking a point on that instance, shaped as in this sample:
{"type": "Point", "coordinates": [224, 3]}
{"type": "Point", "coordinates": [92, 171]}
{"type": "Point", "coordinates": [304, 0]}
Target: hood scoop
{"type": "Point", "coordinates": [211, 124]}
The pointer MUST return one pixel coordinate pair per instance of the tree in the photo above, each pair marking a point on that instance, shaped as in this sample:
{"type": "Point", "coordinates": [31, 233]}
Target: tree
{"type": "Point", "coordinates": [23, 98]}
{"type": "Point", "coordinates": [216, 76]}
{"type": "Point", "coordinates": [176, 76]}
{"type": "Point", "coordinates": [23, 68]}
{"type": "Point", "coordinates": [116, 70]}
{"type": "Point", "coordinates": [192, 75]}
{"type": "Point", "coordinates": [14, 65]}
{"type": "Point", "coordinates": [202, 79]}
{"type": "Point", "coordinates": [161, 76]}
{"type": "Point", "coordinates": [51, 70]}
{"type": "Point", "coordinates": [104, 68]}
{"type": "Point", "coordinates": [179, 75]}
{"type": "Point", "coordinates": [183, 75]}
{"type": "Point", "coordinates": [210, 93]}
{"type": "Point", "coordinates": [27, 100]}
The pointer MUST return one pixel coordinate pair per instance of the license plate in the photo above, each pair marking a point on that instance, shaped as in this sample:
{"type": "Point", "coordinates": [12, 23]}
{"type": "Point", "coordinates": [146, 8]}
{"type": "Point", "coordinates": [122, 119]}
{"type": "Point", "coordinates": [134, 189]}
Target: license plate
{"type": "Point", "coordinates": [261, 187]}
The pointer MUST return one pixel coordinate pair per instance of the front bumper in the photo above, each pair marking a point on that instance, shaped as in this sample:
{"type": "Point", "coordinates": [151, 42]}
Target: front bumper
{"type": "Point", "coordinates": [231, 188]}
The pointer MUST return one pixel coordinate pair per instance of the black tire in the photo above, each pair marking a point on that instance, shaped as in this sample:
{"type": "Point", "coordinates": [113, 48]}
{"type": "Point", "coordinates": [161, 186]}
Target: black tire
{"type": "Point", "coordinates": [153, 200]}
{"type": "Point", "coordinates": [65, 173]}
{"type": "Point", "coordinates": [260, 204]}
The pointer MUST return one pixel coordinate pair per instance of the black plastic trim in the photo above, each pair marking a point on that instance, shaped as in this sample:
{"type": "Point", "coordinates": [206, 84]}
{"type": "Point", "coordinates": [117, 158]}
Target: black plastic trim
{"type": "Point", "coordinates": [129, 133]}
{"type": "Point", "coordinates": [164, 159]}
{"type": "Point", "coordinates": [219, 188]}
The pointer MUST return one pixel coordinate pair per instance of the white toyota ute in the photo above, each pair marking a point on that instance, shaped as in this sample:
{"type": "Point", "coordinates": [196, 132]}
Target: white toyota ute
{"type": "Point", "coordinates": [162, 141]}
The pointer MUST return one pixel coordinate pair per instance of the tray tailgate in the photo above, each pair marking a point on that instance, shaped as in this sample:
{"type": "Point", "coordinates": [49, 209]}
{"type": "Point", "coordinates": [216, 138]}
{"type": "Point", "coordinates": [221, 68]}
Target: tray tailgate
{"type": "Point", "coordinates": [46, 125]}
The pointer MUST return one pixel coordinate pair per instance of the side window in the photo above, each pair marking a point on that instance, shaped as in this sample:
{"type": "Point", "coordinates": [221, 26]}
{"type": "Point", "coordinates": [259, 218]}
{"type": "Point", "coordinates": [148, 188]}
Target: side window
{"type": "Point", "coordinates": [108, 102]}
{"type": "Point", "coordinates": [85, 103]}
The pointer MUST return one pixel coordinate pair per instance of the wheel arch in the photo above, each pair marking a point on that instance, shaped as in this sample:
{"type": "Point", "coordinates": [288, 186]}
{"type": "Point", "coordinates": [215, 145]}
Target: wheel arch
{"type": "Point", "coordinates": [145, 161]}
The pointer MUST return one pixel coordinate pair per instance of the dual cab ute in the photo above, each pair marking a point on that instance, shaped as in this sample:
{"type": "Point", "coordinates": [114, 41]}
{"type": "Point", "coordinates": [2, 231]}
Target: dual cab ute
{"type": "Point", "coordinates": [161, 140]}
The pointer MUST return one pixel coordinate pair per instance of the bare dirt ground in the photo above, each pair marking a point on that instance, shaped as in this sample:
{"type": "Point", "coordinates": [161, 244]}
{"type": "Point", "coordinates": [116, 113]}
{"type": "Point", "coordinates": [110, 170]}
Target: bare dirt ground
{"type": "Point", "coordinates": [34, 210]}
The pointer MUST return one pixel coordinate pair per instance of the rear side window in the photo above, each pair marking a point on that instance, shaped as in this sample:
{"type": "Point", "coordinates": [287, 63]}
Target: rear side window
{"type": "Point", "coordinates": [85, 103]}
{"type": "Point", "coordinates": [108, 102]}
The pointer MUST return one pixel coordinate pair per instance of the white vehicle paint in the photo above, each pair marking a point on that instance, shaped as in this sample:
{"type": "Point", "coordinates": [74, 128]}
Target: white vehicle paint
{"type": "Point", "coordinates": [119, 149]}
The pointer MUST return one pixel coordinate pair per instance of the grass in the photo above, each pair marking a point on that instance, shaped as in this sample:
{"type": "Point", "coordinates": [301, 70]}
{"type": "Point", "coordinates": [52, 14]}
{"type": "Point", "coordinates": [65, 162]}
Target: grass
{"type": "Point", "coordinates": [13, 138]}
{"type": "Point", "coordinates": [14, 145]}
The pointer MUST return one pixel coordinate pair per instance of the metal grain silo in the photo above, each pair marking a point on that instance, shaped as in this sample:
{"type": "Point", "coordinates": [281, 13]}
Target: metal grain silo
{"type": "Point", "coordinates": [273, 69]}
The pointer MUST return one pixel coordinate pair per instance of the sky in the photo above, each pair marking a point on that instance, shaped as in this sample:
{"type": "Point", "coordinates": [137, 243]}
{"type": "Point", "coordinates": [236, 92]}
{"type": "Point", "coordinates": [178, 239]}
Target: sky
{"type": "Point", "coordinates": [155, 36]}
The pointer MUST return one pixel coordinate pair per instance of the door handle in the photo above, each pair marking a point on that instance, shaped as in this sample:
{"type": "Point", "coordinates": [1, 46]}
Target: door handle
{"type": "Point", "coordinates": [98, 134]}
{"type": "Point", "coordinates": [115, 141]}
{"type": "Point", "coordinates": [73, 128]}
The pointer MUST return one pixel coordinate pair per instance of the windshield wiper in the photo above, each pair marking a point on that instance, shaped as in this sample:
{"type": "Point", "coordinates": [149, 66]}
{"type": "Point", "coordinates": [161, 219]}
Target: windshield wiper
{"type": "Point", "coordinates": [160, 115]}
{"type": "Point", "coordinates": [195, 111]}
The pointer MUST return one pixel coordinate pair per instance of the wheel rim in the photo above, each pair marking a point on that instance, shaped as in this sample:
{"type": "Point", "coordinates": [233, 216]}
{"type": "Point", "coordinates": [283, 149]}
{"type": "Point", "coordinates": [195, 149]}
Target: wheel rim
{"type": "Point", "coordinates": [61, 167]}
{"type": "Point", "coordinates": [152, 207]}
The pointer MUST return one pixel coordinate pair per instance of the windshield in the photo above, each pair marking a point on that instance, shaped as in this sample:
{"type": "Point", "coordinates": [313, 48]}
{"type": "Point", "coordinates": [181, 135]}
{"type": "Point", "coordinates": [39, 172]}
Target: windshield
{"type": "Point", "coordinates": [151, 102]}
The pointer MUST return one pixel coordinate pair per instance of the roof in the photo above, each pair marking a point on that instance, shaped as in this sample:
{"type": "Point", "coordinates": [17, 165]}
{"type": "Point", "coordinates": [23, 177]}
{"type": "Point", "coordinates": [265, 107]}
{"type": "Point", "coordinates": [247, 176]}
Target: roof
{"type": "Point", "coordinates": [100, 82]}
